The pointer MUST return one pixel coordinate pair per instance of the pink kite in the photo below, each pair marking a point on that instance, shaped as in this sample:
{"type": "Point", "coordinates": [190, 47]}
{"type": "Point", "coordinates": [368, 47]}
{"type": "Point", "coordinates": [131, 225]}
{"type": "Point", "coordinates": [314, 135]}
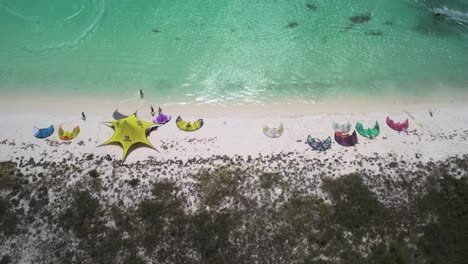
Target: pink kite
{"type": "Point", "coordinates": [397, 125]}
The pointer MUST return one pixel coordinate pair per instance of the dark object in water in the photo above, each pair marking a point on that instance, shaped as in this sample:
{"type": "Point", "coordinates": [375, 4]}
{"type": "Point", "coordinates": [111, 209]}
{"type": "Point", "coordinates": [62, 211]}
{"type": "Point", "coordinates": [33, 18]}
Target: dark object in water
{"type": "Point", "coordinates": [324, 39]}
{"type": "Point", "coordinates": [155, 30]}
{"type": "Point", "coordinates": [388, 23]}
{"type": "Point", "coordinates": [360, 18]}
{"type": "Point", "coordinates": [311, 7]}
{"type": "Point", "coordinates": [347, 28]}
{"type": "Point", "coordinates": [293, 24]}
{"type": "Point", "coordinates": [142, 95]}
{"type": "Point", "coordinates": [374, 33]}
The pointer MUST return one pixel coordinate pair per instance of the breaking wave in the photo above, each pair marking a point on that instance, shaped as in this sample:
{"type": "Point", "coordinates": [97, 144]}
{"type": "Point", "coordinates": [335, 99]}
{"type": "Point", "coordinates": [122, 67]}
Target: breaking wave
{"type": "Point", "coordinates": [452, 14]}
{"type": "Point", "coordinates": [63, 33]}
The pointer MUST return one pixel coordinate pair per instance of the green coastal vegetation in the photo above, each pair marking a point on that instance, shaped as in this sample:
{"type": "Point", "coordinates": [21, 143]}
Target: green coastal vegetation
{"type": "Point", "coordinates": [232, 215]}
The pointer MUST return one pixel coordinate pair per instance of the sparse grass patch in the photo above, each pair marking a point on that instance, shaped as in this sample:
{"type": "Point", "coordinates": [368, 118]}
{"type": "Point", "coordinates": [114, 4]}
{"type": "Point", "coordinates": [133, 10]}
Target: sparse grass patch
{"type": "Point", "coordinates": [210, 234]}
{"type": "Point", "coordinates": [5, 259]}
{"type": "Point", "coordinates": [217, 186]}
{"type": "Point", "coordinates": [7, 167]}
{"type": "Point", "coordinates": [445, 238]}
{"type": "Point", "coordinates": [160, 212]}
{"type": "Point", "coordinates": [270, 179]}
{"type": "Point", "coordinates": [170, 225]}
{"type": "Point", "coordinates": [82, 215]}
{"type": "Point", "coordinates": [94, 174]}
{"type": "Point", "coordinates": [133, 182]}
{"type": "Point", "coordinates": [8, 179]}
{"type": "Point", "coordinates": [462, 164]}
{"type": "Point", "coordinates": [354, 202]}
{"type": "Point", "coordinates": [394, 252]}
{"type": "Point", "coordinates": [8, 218]}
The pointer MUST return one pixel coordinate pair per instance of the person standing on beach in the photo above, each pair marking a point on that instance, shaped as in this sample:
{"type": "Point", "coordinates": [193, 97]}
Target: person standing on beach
{"type": "Point", "coordinates": [141, 94]}
{"type": "Point", "coordinates": [83, 116]}
{"type": "Point", "coordinates": [152, 111]}
{"type": "Point", "coordinates": [159, 111]}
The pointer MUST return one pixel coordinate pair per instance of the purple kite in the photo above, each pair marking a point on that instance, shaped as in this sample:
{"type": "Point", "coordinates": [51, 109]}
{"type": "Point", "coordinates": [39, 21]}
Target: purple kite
{"type": "Point", "coordinates": [162, 119]}
{"type": "Point", "coordinates": [346, 139]}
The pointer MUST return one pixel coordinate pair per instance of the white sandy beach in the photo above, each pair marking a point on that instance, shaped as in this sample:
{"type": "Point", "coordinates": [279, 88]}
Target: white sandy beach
{"type": "Point", "coordinates": [394, 165]}
{"type": "Point", "coordinates": [235, 130]}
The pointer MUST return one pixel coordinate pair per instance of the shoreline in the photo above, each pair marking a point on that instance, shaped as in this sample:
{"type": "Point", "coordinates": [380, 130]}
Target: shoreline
{"type": "Point", "coordinates": [49, 105]}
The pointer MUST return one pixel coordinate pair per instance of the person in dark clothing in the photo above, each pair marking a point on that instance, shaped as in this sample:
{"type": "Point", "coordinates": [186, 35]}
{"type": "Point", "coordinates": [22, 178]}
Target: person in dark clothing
{"type": "Point", "coordinates": [83, 116]}
{"type": "Point", "coordinates": [141, 94]}
{"type": "Point", "coordinates": [152, 111]}
{"type": "Point", "coordinates": [159, 111]}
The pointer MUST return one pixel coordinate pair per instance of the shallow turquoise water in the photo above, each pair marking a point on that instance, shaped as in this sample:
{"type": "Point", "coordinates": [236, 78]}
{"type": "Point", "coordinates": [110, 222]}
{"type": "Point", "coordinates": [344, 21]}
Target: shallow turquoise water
{"type": "Point", "coordinates": [231, 51]}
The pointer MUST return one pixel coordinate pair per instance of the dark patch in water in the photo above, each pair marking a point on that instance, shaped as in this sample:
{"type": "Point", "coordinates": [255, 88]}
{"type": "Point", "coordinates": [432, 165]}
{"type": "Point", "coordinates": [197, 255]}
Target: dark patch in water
{"type": "Point", "coordinates": [388, 23]}
{"type": "Point", "coordinates": [311, 7]}
{"type": "Point", "coordinates": [347, 28]}
{"type": "Point", "coordinates": [324, 39]}
{"type": "Point", "coordinates": [359, 19]}
{"type": "Point", "coordinates": [374, 33]}
{"type": "Point", "coordinates": [177, 38]}
{"type": "Point", "coordinates": [436, 26]}
{"type": "Point", "coordinates": [155, 30]}
{"type": "Point", "coordinates": [293, 24]}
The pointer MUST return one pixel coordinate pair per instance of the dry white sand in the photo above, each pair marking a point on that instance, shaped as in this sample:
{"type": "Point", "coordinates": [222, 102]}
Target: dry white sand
{"type": "Point", "coordinates": [235, 130]}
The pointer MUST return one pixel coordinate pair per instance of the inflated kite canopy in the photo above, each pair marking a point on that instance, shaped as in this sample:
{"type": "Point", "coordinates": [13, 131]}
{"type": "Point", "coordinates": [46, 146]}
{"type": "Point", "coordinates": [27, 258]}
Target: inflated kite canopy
{"type": "Point", "coordinates": [397, 125]}
{"type": "Point", "coordinates": [43, 132]}
{"type": "Point", "coordinates": [342, 128]}
{"type": "Point", "coordinates": [273, 132]}
{"type": "Point", "coordinates": [319, 145]}
{"type": "Point", "coordinates": [162, 119]}
{"type": "Point", "coordinates": [346, 139]}
{"type": "Point", "coordinates": [368, 132]}
{"type": "Point", "coordinates": [68, 135]}
{"type": "Point", "coordinates": [188, 126]}
{"type": "Point", "coordinates": [129, 131]}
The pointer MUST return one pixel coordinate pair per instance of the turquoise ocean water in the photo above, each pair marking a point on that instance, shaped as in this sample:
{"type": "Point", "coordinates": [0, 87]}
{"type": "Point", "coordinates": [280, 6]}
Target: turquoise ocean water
{"type": "Point", "coordinates": [234, 51]}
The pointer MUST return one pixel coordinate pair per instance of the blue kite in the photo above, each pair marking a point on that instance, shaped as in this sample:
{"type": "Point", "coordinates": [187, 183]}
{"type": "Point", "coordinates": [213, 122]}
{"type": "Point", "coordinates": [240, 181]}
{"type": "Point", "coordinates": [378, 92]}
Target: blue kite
{"type": "Point", "coordinates": [43, 132]}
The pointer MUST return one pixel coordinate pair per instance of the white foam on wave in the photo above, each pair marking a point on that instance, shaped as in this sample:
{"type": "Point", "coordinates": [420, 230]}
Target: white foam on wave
{"type": "Point", "coordinates": [452, 14]}
{"type": "Point", "coordinates": [14, 13]}
{"type": "Point", "coordinates": [75, 14]}
{"type": "Point", "coordinates": [81, 36]}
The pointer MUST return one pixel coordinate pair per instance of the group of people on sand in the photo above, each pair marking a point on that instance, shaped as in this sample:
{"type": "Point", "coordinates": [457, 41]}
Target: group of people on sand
{"type": "Point", "coordinates": [142, 95]}
{"type": "Point", "coordinates": [159, 111]}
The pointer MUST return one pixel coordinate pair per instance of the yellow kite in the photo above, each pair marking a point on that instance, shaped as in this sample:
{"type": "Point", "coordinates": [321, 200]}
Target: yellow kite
{"type": "Point", "coordinates": [129, 131]}
{"type": "Point", "coordinates": [187, 126]}
{"type": "Point", "coordinates": [67, 135]}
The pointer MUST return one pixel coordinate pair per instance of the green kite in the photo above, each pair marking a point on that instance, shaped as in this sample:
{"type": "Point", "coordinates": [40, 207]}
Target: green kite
{"type": "Point", "coordinates": [129, 131]}
{"type": "Point", "coordinates": [368, 132]}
